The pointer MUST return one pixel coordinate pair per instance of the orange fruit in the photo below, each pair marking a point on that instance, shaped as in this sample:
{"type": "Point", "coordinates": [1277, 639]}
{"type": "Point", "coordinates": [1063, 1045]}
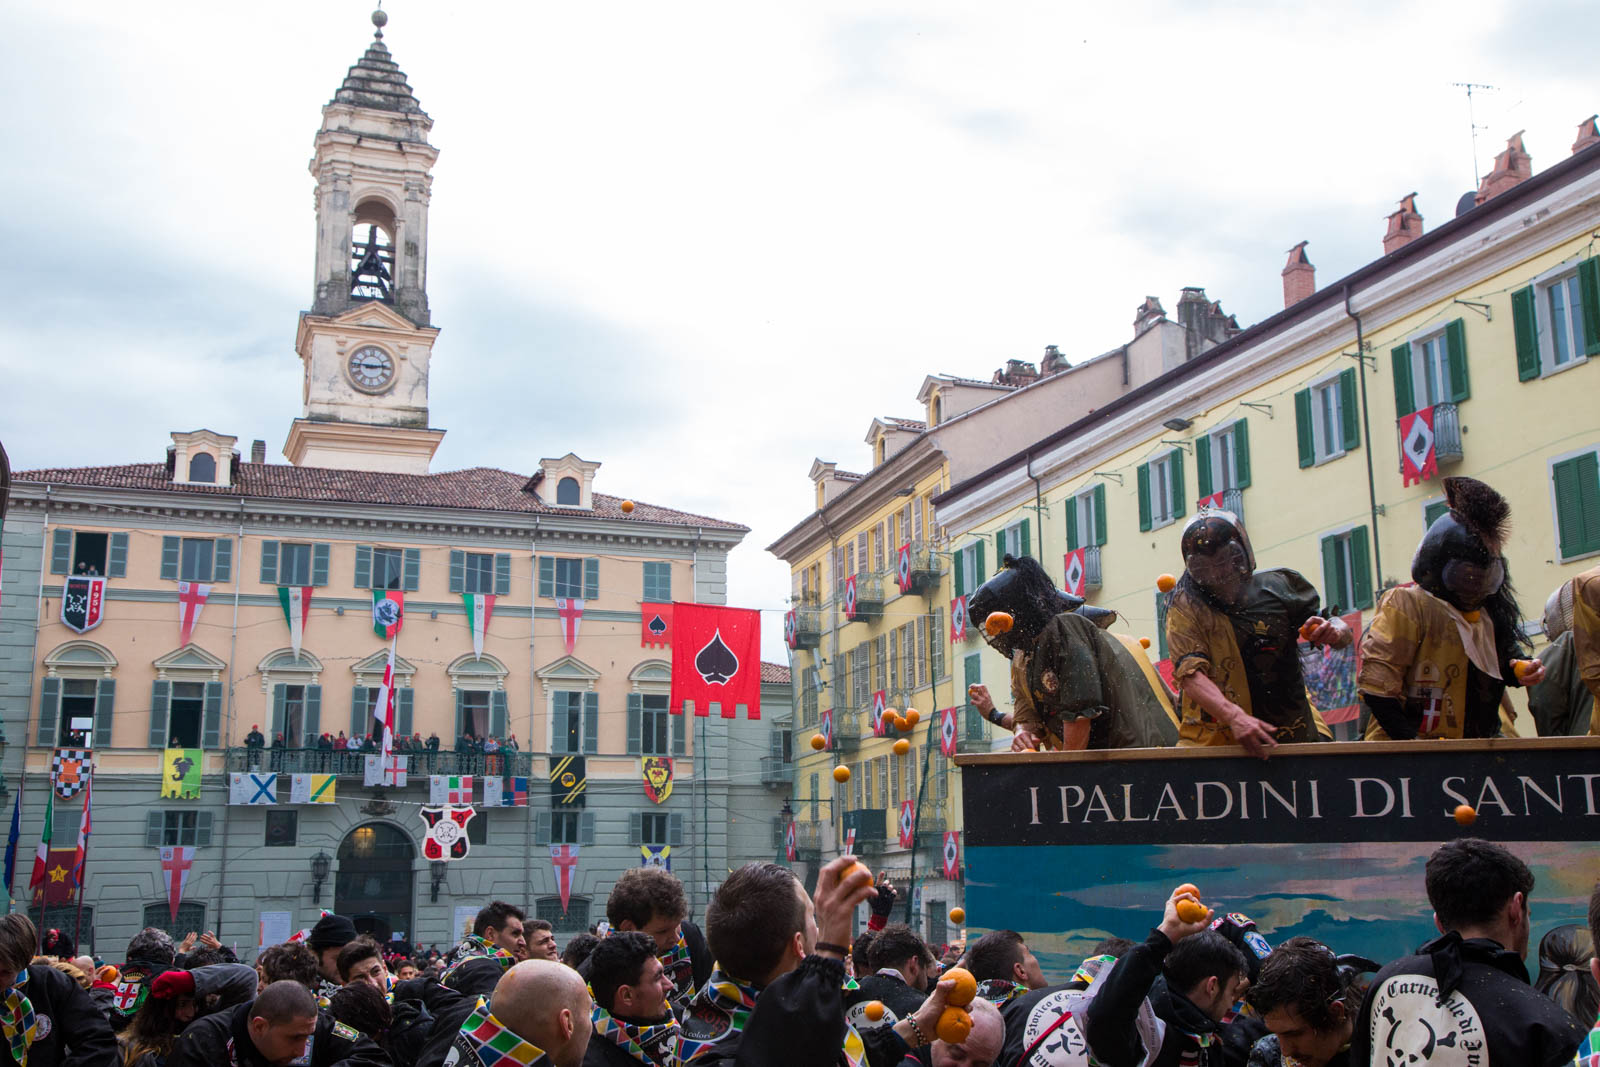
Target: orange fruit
{"type": "Point", "coordinates": [954, 1026]}
{"type": "Point", "coordinates": [819, 742]}
{"type": "Point", "coordinates": [1166, 583]}
{"type": "Point", "coordinates": [841, 774]}
{"type": "Point", "coordinates": [912, 717]}
{"type": "Point", "coordinates": [966, 986]}
{"type": "Point", "coordinates": [855, 870]}
{"type": "Point", "coordinates": [998, 622]}
{"type": "Point", "coordinates": [1522, 667]}
{"type": "Point", "coordinates": [958, 915]}
{"type": "Point", "coordinates": [891, 719]}
{"type": "Point", "coordinates": [1471, 616]}
{"type": "Point", "coordinates": [1144, 642]}
{"type": "Point", "coordinates": [1308, 628]}
{"type": "Point", "coordinates": [873, 1010]}
{"type": "Point", "coordinates": [1466, 814]}
{"type": "Point", "coordinates": [1187, 887]}
{"type": "Point", "coordinates": [627, 507]}
{"type": "Point", "coordinates": [901, 747]}
{"type": "Point", "coordinates": [1192, 911]}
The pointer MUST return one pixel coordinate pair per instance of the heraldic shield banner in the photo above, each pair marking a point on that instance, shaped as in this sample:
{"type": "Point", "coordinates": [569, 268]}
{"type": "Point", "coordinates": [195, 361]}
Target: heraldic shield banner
{"type": "Point", "coordinates": [82, 601]}
{"type": "Point", "coordinates": [657, 772]}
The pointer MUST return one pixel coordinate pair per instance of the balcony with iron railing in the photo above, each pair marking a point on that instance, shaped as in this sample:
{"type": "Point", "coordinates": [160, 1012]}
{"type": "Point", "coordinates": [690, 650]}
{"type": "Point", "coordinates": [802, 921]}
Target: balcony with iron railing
{"type": "Point", "coordinates": [924, 574]}
{"type": "Point", "coordinates": [807, 625]}
{"type": "Point", "coordinates": [846, 732]}
{"type": "Point", "coordinates": [353, 763]}
{"type": "Point", "coordinates": [869, 599]}
{"type": "Point", "coordinates": [776, 771]}
{"type": "Point", "coordinates": [973, 732]}
{"type": "Point", "coordinates": [1446, 438]}
{"type": "Point", "coordinates": [871, 827]}
{"type": "Point", "coordinates": [1091, 567]}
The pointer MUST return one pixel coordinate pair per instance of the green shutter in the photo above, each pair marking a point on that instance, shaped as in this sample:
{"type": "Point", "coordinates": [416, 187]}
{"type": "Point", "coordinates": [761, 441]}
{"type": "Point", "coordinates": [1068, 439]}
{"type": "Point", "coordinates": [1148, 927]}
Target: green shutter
{"type": "Point", "coordinates": [497, 714]}
{"type": "Point", "coordinates": [635, 827]}
{"type": "Point", "coordinates": [211, 717]}
{"type": "Point", "coordinates": [1361, 563]}
{"type": "Point", "coordinates": [541, 828]}
{"type": "Point", "coordinates": [635, 724]}
{"type": "Point", "coordinates": [1404, 395]}
{"type": "Point", "coordinates": [999, 547]}
{"type": "Point", "coordinates": [49, 711]}
{"type": "Point", "coordinates": [1303, 430]}
{"type": "Point", "coordinates": [104, 704]}
{"type": "Point", "coordinates": [1027, 541]}
{"type": "Point", "coordinates": [171, 547]}
{"type": "Point", "coordinates": [160, 704]}
{"type": "Point", "coordinates": [153, 821]}
{"type": "Point", "coordinates": [1202, 467]}
{"type": "Point", "coordinates": [202, 828]}
{"type": "Point", "coordinates": [674, 828]}
{"type": "Point", "coordinates": [502, 574]}
{"type": "Point", "coordinates": [1431, 513]}
{"type": "Point", "coordinates": [461, 713]}
{"type": "Point", "coordinates": [591, 722]}
{"type": "Point", "coordinates": [1072, 523]}
{"type": "Point", "coordinates": [978, 572]}
{"type": "Point", "coordinates": [1349, 410]}
{"type": "Point", "coordinates": [678, 725]}
{"type": "Point", "coordinates": [1163, 602]}
{"type": "Point", "coordinates": [591, 578]}
{"type": "Point", "coordinates": [412, 574]}
{"type": "Point", "coordinates": [363, 566]}
{"type": "Point", "coordinates": [1330, 571]}
{"type": "Point", "coordinates": [404, 703]}
{"type": "Point", "coordinates": [269, 563]}
{"type": "Point", "coordinates": [1577, 490]}
{"type": "Point", "coordinates": [1525, 331]}
{"type": "Point", "coordinates": [1589, 295]}
{"type": "Point", "coordinates": [961, 589]}
{"type": "Point", "coordinates": [547, 576]}
{"type": "Point", "coordinates": [1099, 515]}
{"type": "Point", "coordinates": [1455, 345]}
{"type": "Point", "coordinates": [1177, 483]}
{"type": "Point", "coordinates": [222, 560]}
{"type": "Point", "coordinates": [313, 714]}
{"type": "Point", "coordinates": [360, 711]}
{"type": "Point", "coordinates": [319, 564]}
{"type": "Point", "coordinates": [586, 828]}
{"type": "Point", "coordinates": [279, 725]}
{"type": "Point", "coordinates": [117, 562]}
{"type": "Point", "coordinates": [61, 551]}
{"type": "Point", "coordinates": [1144, 496]}
{"type": "Point", "coordinates": [1241, 453]}
{"type": "Point", "coordinates": [458, 571]}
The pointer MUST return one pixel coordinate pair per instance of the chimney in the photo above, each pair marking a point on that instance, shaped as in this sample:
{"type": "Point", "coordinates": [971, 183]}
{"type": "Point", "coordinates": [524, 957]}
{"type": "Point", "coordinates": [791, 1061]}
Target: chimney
{"type": "Point", "coordinates": [1511, 167]}
{"type": "Point", "coordinates": [1149, 313]}
{"type": "Point", "coordinates": [1017, 373]}
{"type": "Point", "coordinates": [1405, 225]}
{"type": "Point", "coordinates": [1053, 361]}
{"type": "Point", "coordinates": [258, 451]}
{"type": "Point", "coordinates": [1299, 276]}
{"type": "Point", "coordinates": [1588, 134]}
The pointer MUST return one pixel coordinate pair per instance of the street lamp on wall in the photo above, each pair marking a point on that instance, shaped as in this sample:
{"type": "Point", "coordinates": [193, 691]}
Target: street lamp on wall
{"type": "Point", "coordinates": [436, 868]}
{"type": "Point", "coordinates": [321, 864]}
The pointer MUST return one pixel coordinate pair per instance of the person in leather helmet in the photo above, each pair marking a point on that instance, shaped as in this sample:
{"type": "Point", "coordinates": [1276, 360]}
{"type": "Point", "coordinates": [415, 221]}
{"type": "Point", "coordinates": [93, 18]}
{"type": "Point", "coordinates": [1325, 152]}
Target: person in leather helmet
{"type": "Point", "coordinates": [1437, 655]}
{"type": "Point", "coordinates": [1073, 685]}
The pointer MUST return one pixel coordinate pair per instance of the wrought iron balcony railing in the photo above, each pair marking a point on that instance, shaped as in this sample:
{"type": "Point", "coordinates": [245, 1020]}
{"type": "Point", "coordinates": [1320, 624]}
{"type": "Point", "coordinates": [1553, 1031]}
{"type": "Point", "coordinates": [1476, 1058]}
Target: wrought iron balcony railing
{"type": "Point", "coordinates": [354, 763]}
{"type": "Point", "coordinates": [775, 771]}
{"type": "Point", "coordinates": [1447, 447]}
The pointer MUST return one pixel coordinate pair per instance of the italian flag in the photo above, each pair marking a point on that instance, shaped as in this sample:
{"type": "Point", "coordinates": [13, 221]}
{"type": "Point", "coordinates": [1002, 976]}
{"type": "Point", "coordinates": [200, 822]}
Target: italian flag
{"type": "Point", "coordinates": [296, 601]}
{"type": "Point", "coordinates": [480, 607]}
{"type": "Point", "coordinates": [43, 855]}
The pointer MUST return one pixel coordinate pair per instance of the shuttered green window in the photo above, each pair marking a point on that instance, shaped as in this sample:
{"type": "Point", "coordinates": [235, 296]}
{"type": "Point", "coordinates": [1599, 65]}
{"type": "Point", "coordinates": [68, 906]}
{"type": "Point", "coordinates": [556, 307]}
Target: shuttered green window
{"type": "Point", "coordinates": [1161, 490]}
{"type": "Point", "coordinates": [1222, 460]}
{"type": "Point", "coordinates": [294, 563]}
{"type": "Point", "coordinates": [1015, 539]}
{"type": "Point", "coordinates": [90, 552]}
{"type": "Point", "coordinates": [569, 577]}
{"type": "Point", "coordinates": [1577, 494]}
{"type": "Point", "coordinates": [388, 568]}
{"type": "Point", "coordinates": [1086, 518]}
{"type": "Point", "coordinates": [1431, 512]}
{"type": "Point", "coordinates": [1326, 419]}
{"type": "Point", "coordinates": [657, 582]}
{"type": "Point", "coordinates": [1347, 571]}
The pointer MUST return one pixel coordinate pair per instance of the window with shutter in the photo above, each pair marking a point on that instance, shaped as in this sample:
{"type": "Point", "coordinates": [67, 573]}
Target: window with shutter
{"type": "Point", "coordinates": [1327, 428]}
{"type": "Point", "coordinates": [657, 582]}
{"type": "Point", "coordinates": [1346, 571]}
{"type": "Point", "coordinates": [1556, 320]}
{"type": "Point", "coordinates": [61, 551]}
{"type": "Point", "coordinates": [1576, 484]}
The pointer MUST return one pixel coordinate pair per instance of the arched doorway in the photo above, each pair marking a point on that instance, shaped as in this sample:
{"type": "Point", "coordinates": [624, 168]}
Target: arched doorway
{"type": "Point", "coordinates": [374, 883]}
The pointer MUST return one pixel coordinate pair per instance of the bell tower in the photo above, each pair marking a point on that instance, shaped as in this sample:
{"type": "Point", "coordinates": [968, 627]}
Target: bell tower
{"type": "Point", "coordinates": [366, 343]}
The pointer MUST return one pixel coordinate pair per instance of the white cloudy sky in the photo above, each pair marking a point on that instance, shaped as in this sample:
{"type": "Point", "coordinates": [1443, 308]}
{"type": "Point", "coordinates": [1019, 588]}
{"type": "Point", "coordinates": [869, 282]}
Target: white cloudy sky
{"type": "Point", "coordinates": [706, 242]}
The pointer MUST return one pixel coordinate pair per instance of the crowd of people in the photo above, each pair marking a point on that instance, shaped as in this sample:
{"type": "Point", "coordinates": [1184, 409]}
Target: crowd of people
{"type": "Point", "coordinates": [773, 978]}
{"type": "Point", "coordinates": [337, 753]}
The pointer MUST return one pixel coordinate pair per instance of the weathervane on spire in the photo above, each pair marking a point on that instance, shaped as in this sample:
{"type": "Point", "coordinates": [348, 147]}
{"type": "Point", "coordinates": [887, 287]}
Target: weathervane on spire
{"type": "Point", "coordinates": [380, 20]}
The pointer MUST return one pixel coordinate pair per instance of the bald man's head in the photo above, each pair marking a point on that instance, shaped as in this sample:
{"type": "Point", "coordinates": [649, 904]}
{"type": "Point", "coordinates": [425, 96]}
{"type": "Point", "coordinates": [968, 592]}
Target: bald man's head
{"type": "Point", "coordinates": [982, 1046]}
{"type": "Point", "coordinates": [548, 1004]}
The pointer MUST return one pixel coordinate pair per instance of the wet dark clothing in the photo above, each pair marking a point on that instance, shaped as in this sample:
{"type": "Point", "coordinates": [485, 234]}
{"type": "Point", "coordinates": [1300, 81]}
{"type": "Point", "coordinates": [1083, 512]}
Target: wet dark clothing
{"type": "Point", "coordinates": [897, 996]}
{"type": "Point", "coordinates": [1191, 1036]}
{"type": "Point", "coordinates": [1268, 1054]}
{"type": "Point", "coordinates": [448, 1009]}
{"type": "Point", "coordinates": [1561, 705]}
{"type": "Point", "coordinates": [223, 1040]}
{"type": "Point", "coordinates": [1076, 670]}
{"type": "Point", "coordinates": [1468, 995]}
{"type": "Point", "coordinates": [70, 1032]}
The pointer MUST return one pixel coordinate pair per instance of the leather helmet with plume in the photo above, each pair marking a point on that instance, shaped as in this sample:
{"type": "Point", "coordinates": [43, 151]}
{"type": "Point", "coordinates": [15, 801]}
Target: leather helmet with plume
{"type": "Point", "coordinates": [1459, 558]}
{"type": "Point", "coordinates": [1216, 552]}
{"type": "Point", "coordinates": [1024, 591]}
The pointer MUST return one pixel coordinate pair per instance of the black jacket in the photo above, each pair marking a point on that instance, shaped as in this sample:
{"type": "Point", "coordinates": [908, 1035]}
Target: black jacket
{"type": "Point", "coordinates": [689, 976]}
{"type": "Point", "coordinates": [1268, 1054]}
{"type": "Point", "coordinates": [71, 1030]}
{"type": "Point", "coordinates": [1191, 1035]}
{"type": "Point", "coordinates": [223, 1040]}
{"type": "Point", "coordinates": [448, 1009]}
{"type": "Point", "coordinates": [604, 1052]}
{"type": "Point", "coordinates": [899, 999]}
{"type": "Point", "coordinates": [1464, 993]}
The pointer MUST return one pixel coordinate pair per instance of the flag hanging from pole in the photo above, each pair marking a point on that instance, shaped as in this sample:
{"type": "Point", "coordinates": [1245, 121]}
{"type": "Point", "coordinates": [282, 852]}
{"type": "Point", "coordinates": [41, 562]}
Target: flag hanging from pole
{"type": "Point", "coordinates": [175, 863]}
{"type": "Point", "coordinates": [42, 857]}
{"type": "Point", "coordinates": [655, 625]}
{"type": "Point", "coordinates": [383, 712]}
{"type": "Point", "coordinates": [85, 828]}
{"type": "Point", "coordinates": [11, 841]}
{"type": "Point", "coordinates": [571, 613]}
{"type": "Point", "coordinates": [480, 608]}
{"type": "Point", "coordinates": [296, 601]}
{"type": "Point", "coordinates": [191, 601]}
{"type": "Point", "coordinates": [716, 658]}
{"type": "Point", "coordinates": [565, 858]}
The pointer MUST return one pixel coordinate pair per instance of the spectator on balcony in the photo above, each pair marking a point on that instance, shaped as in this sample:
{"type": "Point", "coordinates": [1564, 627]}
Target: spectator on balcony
{"type": "Point", "coordinates": [1233, 636]}
{"type": "Point", "coordinates": [1073, 685]}
{"type": "Point", "coordinates": [491, 755]}
{"type": "Point", "coordinates": [1439, 654]}
{"type": "Point", "coordinates": [511, 743]}
{"type": "Point", "coordinates": [255, 740]}
{"type": "Point", "coordinates": [341, 742]}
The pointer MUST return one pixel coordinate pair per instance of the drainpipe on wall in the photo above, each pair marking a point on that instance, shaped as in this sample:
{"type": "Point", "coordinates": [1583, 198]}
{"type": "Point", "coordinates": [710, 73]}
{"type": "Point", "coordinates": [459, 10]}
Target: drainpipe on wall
{"type": "Point", "coordinates": [838, 657]}
{"type": "Point", "coordinates": [1038, 499]}
{"type": "Point", "coordinates": [1366, 429]}
{"type": "Point", "coordinates": [533, 693]}
{"type": "Point", "coordinates": [233, 648]}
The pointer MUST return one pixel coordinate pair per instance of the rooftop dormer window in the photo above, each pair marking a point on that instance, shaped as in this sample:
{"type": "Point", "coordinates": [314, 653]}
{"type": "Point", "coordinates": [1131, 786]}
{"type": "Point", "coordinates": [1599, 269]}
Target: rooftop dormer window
{"type": "Point", "coordinates": [203, 467]}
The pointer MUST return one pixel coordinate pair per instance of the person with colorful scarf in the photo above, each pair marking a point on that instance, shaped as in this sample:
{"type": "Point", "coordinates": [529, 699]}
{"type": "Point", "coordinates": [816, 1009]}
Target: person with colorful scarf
{"type": "Point", "coordinates": [538, 1016]}
{"type": "Point", "coordinates": [280, 1027]}
{"type": "Point", "coordinates": [151, 952]}
{"type": "Point", "coordinates": [632, 1017]}
{"type": "Point", "coordinates": [46, 1019]}
{"type": "Point", "coordinates": [651, 900]}
{"type": "Point", "coordinates": [1004, 966]}
{"type": "Point", "coordinates": [776, 995]}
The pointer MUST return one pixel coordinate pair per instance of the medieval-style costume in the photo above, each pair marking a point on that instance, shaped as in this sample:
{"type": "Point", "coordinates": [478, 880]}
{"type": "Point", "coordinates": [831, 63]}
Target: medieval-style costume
{"type": "Point", "coordinates": [1574, 609]}
{"type": "Point", "coordinates": [1066, 668]}
{"type": "Point", "coordinates": [1240, 627]}
{"type": "Point", "coordinates": [1437, 655]}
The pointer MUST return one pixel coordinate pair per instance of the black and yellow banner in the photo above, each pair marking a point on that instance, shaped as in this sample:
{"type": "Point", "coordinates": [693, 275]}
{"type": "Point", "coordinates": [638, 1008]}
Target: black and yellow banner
{"type": "Point", "coordinates": [569, 778]}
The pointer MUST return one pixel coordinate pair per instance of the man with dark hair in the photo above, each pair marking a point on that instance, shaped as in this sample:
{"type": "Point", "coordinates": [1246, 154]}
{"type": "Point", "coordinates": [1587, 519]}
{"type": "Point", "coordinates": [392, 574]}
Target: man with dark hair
{"type": "Point", "coordinates": [49, 1019]}
{"type": "Point", "coordinates": [1308, 998]}
{"type": "Point", "coordinates": [578, 950]}
{"type": "Point", "coordinates": [291, 961]}
{"type": "Point", "coordinates": [1589, 1050]}
{"type": "Point", "coordinates": [332, 933]}
{"type": "Point", "coordinates": [541, 941]}
{"type": "Point", "coordinates": [1205, 974]}
{"type": "Point", "coordinates": [500, 924]}
{"type": "Point", "coordinates": [650, 900]}
{"type": "Point", "coordinates": [902, 970]}
{"type": "Point", "coordinates": [1004, 966]}
{"type": "Point", "coordinates": [476, 964]}
{"type": "Point", "coordinates": [282, 1026]}
{"type": "Point", "coordinates": [361, 961]}
{"type": "Point", "coordinates": [861, 952]}
{"type": "Point", "coordinates": [149, 953]}
{"type": "Point", "coordinates": [1044, 1027]}
{"type": "Point", "coordinates": [633, 1022]}
{"type": "Point", "coordinates": [1469, 986]}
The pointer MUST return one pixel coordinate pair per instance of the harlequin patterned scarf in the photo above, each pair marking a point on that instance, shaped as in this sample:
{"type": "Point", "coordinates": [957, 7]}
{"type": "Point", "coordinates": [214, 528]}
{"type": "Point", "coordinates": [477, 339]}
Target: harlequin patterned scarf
{"type": "Point", "coordinates": [486, 1038]}
{"type": "Point", "coordinates": [17, 1021]}
{"type": "Point", "coordinates": [679, 966]}
{"type": "Point", "coordinates": [724, 1007]}
{"type": "Point", "coordinates": [998, 991]}
{"type": "Point", "coordinates": [656, 1044]}
{"type": "Point", "coordinates": [476, 948]}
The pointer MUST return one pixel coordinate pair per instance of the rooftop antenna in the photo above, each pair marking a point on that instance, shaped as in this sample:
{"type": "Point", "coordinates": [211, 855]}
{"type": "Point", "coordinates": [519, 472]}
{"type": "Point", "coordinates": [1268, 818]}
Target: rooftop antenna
{"type": "Point", "coordinates": [1473, 121]}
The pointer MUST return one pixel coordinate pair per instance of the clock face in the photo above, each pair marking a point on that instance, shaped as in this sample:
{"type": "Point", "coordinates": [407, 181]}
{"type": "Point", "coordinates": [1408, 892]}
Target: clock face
{"type": "Point", "coordinates": [371, 369]}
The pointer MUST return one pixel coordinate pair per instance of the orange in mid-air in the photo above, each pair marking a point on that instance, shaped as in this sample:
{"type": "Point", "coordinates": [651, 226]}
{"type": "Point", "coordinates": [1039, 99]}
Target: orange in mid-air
{"type": "Point", "coordinates": [912, 717]}
{"type": "Point", "coordinates": [901, 747]}
{"type": "Point", "coordinates": [998, 622]}
{"type": "Point", "coordinates": [1166, 583]}
{"type": "Point", "coordinates": [819, 742]}
{"type": "Point", "coordinates": [1466, 814]}
{"type": "Point", "coordinates": [841, 774]}
{"type": "Point", "coordinates": [954, 1026]}
{"type": "Point", "coordinates": [1144, 642]}
{"type": "Point", "coordinates": [966, 986]}
{"type": "Point", "coordinates": [958, 915]}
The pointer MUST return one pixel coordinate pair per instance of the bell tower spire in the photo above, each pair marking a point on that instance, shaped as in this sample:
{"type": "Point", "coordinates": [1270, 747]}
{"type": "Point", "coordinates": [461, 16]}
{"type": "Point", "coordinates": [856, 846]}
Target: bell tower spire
{"type": "Point", "coordinates": [367, 340]}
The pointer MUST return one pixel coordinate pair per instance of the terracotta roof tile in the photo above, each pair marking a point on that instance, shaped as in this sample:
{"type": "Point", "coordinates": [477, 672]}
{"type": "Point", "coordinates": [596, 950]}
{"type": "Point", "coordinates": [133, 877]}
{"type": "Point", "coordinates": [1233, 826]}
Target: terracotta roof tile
{"type": "Point", "coordinates": [913, 425]}
{"type": "Point", "coordinates": [476, 488]}
{"type": "Point", "coordinates": [774, 672]}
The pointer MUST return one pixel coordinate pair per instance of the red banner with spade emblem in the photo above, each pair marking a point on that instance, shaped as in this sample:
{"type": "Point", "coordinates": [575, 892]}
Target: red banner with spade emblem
{"type": "Point", "coordinates": [958, 619]}
{"type": "Point", "coordinates": [825, 728]}
{"type": "Point", "coordinates": [789, 843]}
{"type": "Point", "coordinates": [880, 702]}
{"type": "Point", "coordinates": [716, 658]}
{"type": "Point", "coordinates": [850, 597]}
{"type": "Point", "coordinates": [907, 823]}
{"type": "Point", "coordinates": [947, 731]}
{"type": "Point", "coordinates": [1419, 460]}
{"type": "Point", "coordinates": [952, 855]}
{"type": "Point", "coordinates": [655, 625]}
{"type": "Point", "coordinates": [902, 568]}
{"type": "Point", "coordinates": [1076, 572]}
